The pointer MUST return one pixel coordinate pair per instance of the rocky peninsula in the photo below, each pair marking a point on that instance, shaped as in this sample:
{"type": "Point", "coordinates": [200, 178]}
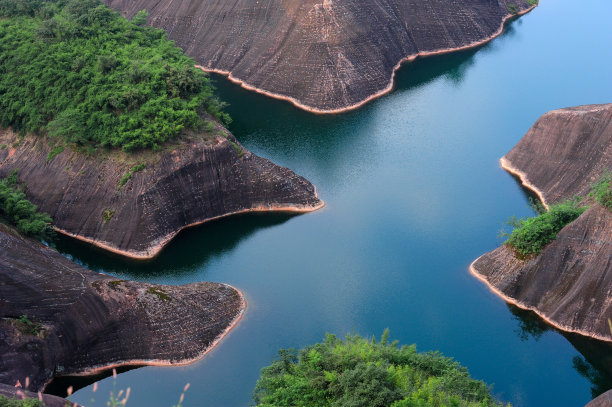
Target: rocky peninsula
{"type": "Point", "coordinates": [569, 284]}
{"type": "Point", "coordinates": [325, 56]}
{"type": "Point", "coordinates": [60, 319]}
{"type": "Point", "coordinates": [135, 203]}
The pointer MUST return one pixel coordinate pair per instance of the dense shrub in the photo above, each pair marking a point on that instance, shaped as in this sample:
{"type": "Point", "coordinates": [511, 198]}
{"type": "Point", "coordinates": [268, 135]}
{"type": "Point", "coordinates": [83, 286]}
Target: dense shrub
{"type": "Point", "coordinates": [530, 235]}
{"type": "Point", "coordinates": [601, 190]}
{"type": "Point", "coordinates": [82, 73]}
{"type": "Point", "coordinates": [360, 372]}
{"type": "Point", "coordinates": [8, 402]}
{"type": "Point", "coordinates": [16, 210]}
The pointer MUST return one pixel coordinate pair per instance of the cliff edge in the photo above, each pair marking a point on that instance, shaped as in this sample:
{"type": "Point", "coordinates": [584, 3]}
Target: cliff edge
{"type": "Point", "coordinates": [61, 319]}
{"type": "Point", "coordinates": [569, 283]}
{"type": "Point", "coordinates": [134, 204]}
{"type": "Point", "coordinates": [324, 56]}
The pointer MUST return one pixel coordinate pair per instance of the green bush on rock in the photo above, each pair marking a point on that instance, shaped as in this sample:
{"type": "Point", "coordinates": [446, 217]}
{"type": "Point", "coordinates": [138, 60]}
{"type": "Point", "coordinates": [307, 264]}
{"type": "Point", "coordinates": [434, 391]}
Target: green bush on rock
{"type": "Point", "coordinates": [360, 372]}
{"type": "Point", "coordinates": [78, 71]}
{"type": "Point", "coordinates": [531, 235]}
{"type": "Point", "coordinates": [601, 190]}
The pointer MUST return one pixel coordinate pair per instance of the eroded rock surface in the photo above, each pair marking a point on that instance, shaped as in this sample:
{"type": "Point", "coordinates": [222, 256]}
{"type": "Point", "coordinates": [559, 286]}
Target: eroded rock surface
{"type": "Point", "coordinates": [196, 180]}
{"type": "Point", "coordinates": [85, 321]}
{"type": "Point", "coordinates": [323, 55]}
{"type": "Point", "coordinates": [570, 282]}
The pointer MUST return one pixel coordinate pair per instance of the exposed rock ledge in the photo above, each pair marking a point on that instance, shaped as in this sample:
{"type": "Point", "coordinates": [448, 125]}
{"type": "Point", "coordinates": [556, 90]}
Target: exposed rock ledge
{"type": "Point", "coordinates": [324, 56]}
{"type": "Point", "coordinates": [569, 284]}
{"type": "Point", "coordinates": [92, 322]}
{"type": "Point", "coordinates": [191, 182]}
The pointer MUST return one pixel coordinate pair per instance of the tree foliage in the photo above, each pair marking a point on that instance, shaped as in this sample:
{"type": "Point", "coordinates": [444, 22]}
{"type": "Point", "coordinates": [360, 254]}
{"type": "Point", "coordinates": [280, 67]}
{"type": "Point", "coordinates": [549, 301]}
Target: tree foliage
{"type": "Point", "coordinates": [601, 190]}
{"type": "Point", "coordinates": [358, 372]}
{"type": "Point", "coordinates": [16, 210]}
{"type": "Point", "coordinates": [78, 71]}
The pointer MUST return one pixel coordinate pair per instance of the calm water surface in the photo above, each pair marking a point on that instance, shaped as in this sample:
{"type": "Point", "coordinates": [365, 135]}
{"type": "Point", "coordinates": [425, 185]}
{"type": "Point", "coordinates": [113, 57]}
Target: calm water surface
{"type": "Point", "coordinates": [414, 194]}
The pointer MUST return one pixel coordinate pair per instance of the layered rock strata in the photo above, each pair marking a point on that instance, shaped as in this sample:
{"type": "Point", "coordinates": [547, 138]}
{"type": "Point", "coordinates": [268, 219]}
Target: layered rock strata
{"type": "Point", "coordinates": [60, 319]}
{"type": "Point", "coordinates": [321, 55]}
{"type": "Point", "coordinates": [108, 199]}
{"type": "Point", "coordinates": [569, 283]}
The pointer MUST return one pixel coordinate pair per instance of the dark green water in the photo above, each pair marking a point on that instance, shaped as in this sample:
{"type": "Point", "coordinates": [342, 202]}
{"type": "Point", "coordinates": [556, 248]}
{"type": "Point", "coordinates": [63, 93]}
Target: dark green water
{"type": "Point", "coordinates": [414, 193]}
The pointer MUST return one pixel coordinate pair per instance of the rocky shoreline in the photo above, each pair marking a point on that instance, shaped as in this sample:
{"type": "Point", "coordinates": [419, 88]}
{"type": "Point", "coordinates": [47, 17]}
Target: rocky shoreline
{"type": "Point", "coordinates": [568, 284]}
{"type": "Point", "coordinates": [325, 56]}
{"type": "Point", "coordinates": [134, 204]}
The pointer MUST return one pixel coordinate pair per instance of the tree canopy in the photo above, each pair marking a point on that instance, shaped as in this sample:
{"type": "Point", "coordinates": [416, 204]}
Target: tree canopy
{"type": "Point", "coordinates": [79, 71]}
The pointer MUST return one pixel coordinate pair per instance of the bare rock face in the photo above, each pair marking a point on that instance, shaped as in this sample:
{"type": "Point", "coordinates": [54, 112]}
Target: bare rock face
{"type": "Point", "coordinates": [604, 400]}
{"type": "Point", "coordinates": [569, 283]}
{"type": "Point", "coordinates": [185, 184]}
{"type": "Point", "coordinates": [564, 151]}
{"type": "Point", "coordinates": [81, 322]}
{"type": "Point", "coordinates": [322, 55]}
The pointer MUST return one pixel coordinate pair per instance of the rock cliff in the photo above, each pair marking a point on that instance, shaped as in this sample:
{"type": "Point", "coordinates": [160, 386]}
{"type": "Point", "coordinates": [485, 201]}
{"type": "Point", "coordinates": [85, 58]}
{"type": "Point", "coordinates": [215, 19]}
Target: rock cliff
{"type": "Point", "coordinates": [322, 55]}
{"type": "Point", "coordinates": [80, 322]}
{"type": "Point", "coordinates": [569, 283]}
{"type": "Point", "coordinates": [108, 200]}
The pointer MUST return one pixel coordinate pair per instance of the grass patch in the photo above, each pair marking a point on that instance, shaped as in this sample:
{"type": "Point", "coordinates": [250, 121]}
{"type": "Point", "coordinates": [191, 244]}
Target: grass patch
{"type": "Point", "coordinates": [239, 150]}
{"type": "Point", "coordinates": [28, 327]}
{"type": "Point", "coordinates": [161, 294]}
{"type": "Point", "coordinates": [533, 2]}
{"type": "Point", "coordinates": [531, 235]}
{"type": "Point", "coordinates": [361, 372]}
{"type": "Point", "coordinates": [130, 173]}
{"type": "Point", "coordinates": [601, 190]}
{"type": "Point", "coordinates": [512, 9]}
{"type": "Point", "coordinates": [3, 146]}
{"type": "Point", "coordinates": [54, 152]}
{"type": "Point", "coordinates": [27, 402]}
{"type": "Point", "coordinates": [107, 215]}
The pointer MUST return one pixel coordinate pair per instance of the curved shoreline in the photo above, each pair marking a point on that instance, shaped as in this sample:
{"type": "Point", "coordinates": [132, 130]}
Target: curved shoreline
{"type": "Point", "coordinates": [155, 249]}
{"type": "Point", "coordinates": [521, 305]}
{"type": "Point", "coordinates": [376, 95]}
{"type": "Point", "coordinates": [506, 165]}
{"type": "Point", "coordinates": [95, 370]}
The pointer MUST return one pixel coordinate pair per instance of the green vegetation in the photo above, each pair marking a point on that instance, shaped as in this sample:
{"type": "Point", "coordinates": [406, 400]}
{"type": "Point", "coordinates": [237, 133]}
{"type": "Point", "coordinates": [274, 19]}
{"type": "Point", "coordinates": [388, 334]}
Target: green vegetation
{"type": "Point", "coordinates": [8, 402]}
{"type": "Point", "coordinates": [3, 146]}
{"type": "Point", "coordinates": [78, 71]}
{"type": "Point", "coordinates": [533, 2]}
{"type": "Point", "coordinates": [360, 372]}
{"type": "Point", "coordinates": [161, 294]}
{"type": "Point", "coordinates": [531, 235]}
{"type": "Point", "coordinates": [28, 327]}
{"type": "Point", "coordinates": [128, 175]}
{"type": "Point", "coordinates": [107, 215]}
{"type": "Point", "coordinates": [512, 8]}
{"type": "Point", "coordinates": [16, 210]}
{"type": "Point", "coordinates": [239, 150]}
{"type": "Point", "coordinates": [601, 190]}
{"type": "Point", "coordinates": [54, 151]}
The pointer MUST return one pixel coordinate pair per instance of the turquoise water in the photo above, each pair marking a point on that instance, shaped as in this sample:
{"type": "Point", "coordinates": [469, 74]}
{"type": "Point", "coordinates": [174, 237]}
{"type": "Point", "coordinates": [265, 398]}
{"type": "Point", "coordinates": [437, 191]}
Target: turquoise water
{"type": "Point", "coordinates": [414, 194]}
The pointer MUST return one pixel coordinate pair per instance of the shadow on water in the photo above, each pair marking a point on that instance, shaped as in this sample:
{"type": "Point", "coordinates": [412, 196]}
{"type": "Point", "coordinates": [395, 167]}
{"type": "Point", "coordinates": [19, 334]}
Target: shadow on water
{"type": "Point", "coordinates": [595, 360]}
{"type": "Point", "coordinates": [59, 386]}
{"type": "Point", "coordinates": [186, 254]}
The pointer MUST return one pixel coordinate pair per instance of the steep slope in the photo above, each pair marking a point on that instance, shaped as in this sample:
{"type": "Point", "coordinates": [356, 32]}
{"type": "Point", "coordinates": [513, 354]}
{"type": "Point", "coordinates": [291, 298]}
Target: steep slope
{"type": "Point", "coordinates": [195, 180]}
{"type": "Point", "coordinates": [569, 283]}
{"type": "Point", "coordinates": [322, 55]}
{"type": "Point", "coordinates": [84, 321]}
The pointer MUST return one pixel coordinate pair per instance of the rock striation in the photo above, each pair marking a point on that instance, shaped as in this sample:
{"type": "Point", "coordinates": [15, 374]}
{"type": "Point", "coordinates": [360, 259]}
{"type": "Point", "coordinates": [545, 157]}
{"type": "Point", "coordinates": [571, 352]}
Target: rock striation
{"type": "Point", "coordinates": [569, 283]}
{"type": "Point", "coordinates": [322, 55]}
{"type": "Point", "coordinates": [82, 322]}
{"type": "Point", "coordinates": [94, 198]}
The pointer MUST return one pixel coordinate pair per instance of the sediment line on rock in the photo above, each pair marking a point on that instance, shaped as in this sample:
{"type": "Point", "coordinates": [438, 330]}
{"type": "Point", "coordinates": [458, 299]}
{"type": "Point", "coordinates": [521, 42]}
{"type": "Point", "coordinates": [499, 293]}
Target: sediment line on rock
{"type": "Point", "coordinates": [521, 305]}
{"type": "Point", "coordinates": [377, 95]}
{"type": "Point", "coordinates": [154, 250]}
{"type": "Point", "coordinates": [506, 165]}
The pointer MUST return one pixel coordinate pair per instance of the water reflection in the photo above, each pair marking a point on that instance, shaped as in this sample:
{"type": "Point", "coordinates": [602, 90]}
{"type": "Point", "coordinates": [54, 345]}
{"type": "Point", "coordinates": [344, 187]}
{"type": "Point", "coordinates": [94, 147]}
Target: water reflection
{"type": "Point", "coordinates": [186, 255]}
{"type": "Point", "coordinates": [595, 360]}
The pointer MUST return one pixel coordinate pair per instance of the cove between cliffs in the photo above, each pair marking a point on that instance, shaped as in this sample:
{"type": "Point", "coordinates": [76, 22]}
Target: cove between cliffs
{"type": "Point", "coordinates": [389, 88]}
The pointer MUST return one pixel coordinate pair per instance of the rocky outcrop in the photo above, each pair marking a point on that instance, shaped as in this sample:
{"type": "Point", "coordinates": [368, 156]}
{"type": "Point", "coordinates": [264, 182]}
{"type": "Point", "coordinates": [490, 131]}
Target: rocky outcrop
{"type": "Point", "coordinates": [569, 283]}
{"type": "Point", "coordinates": [79, 322]}
{"type": "Point", "coordinates": [604, 400]}
{"type": "Point", "coordinates": [93, 197]}
{"type": "Point", "coordinates": [564, 152]}
{"type": "Point", "coordinates": [321, 55]}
